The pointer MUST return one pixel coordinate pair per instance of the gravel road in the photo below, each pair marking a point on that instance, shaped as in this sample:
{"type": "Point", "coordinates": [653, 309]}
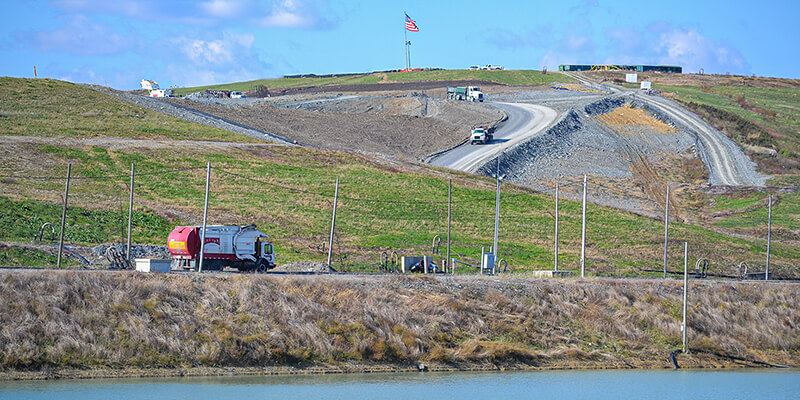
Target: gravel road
{"type": "Point", "coordinates": [726, 161]}
{"type": "Point", "coordinates": [524, 121]}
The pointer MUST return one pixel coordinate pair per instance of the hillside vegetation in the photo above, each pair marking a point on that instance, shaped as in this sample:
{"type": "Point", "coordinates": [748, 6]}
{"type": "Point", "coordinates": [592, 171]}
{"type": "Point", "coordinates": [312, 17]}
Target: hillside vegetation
{"type": "Point", "coordinates": [58, 109]}
{"type": "Point", "coordinates": [384, 205]}
{"type": "Point", "coordinates": [508, 77]}
{"type": "Point", "coordinates": [79, 320]}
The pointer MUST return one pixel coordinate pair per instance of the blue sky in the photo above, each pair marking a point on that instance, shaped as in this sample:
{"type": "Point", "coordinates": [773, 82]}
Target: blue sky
{"type": "Point", "coordinates": [189, 43]}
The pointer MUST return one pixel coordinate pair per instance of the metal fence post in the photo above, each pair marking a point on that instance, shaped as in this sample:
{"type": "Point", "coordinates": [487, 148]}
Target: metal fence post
{"type": "Point", "coordinates": [685, 291]}
{"type": "Point", "coordinates": [63, 218]}
{"type": "Point", "coordinates": [496, 212]}
{"type": "Point", "coordinates": [769, 237]}
{"type": "Point", "coordinates": [449, 208]}
{"type": "Point", "coordinates": [205, 219]}
{"type": "Point", "coordinates": [556, 240]}
{"type": "Point", "coordinates": [333, 220]}
{"type": "Point", "coordinates": [130, 216]}
{"type": "Point", "coordinates": [666, 230]}
{"type": "Point", "coordinates": [583, 232]}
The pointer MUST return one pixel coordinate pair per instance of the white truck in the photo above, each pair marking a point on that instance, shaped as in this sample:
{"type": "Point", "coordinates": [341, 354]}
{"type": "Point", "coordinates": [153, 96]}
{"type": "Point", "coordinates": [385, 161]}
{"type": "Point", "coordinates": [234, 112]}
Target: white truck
{"type": "Point", "coordinates": [480, 136]}
{"type": "Point", "coordinates": [469, 93]}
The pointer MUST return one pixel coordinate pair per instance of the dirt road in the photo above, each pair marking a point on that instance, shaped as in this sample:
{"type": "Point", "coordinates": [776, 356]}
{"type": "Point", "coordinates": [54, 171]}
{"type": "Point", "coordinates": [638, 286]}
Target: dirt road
{"type": "Point", "coordinates": [727, 163]}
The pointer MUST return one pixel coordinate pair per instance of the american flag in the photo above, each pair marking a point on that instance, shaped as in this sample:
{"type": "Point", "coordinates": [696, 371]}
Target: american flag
{"type": "Point", "coordinates": [411, 24]}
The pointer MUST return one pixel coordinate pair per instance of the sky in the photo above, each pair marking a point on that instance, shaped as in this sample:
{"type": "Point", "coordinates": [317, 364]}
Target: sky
{"type": "Point", "coordinates": [183, 43]}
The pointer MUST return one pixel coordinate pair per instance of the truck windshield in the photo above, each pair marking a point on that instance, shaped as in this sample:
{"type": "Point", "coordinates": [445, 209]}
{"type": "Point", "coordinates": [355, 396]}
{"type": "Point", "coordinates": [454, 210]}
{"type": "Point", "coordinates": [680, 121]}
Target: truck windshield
{"type": "Point", "coordinates": [477, 89]}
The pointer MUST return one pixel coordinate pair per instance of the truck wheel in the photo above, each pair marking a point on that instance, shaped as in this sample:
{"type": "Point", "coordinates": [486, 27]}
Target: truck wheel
{"type": "Point", "coordinates": [262, 266]}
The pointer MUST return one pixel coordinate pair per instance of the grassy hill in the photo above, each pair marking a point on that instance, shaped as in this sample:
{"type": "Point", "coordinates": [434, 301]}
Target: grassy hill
{"type": "Point", "coordinates": [384, 206]}
{"type": "Point", "coordinates": [508, 77]}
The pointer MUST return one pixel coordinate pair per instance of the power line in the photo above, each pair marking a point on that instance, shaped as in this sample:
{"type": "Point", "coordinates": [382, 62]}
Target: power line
{"type": "Point", "coordinates": [101, 177]}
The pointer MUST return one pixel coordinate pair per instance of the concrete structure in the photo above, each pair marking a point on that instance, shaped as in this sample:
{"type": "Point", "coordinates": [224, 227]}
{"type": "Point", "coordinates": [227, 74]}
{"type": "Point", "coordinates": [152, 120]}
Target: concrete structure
{"type": "Point", "coordinates": [153, 265]}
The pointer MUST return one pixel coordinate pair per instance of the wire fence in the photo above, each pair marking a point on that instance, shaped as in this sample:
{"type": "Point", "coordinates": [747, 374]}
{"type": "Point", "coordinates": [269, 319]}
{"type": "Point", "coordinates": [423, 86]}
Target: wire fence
{"type": "Point", "coordinates": [375, 218]}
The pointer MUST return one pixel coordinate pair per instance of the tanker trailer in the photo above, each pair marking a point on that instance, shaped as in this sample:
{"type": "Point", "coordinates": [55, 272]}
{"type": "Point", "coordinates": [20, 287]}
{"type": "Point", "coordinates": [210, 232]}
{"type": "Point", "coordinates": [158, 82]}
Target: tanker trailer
{"type": "Point", "coordinates": [242, 247]}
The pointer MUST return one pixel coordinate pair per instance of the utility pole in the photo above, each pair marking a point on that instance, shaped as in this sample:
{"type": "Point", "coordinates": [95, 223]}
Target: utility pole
{"type": "Point", "coordinates": [769, 237]}
{"type": "Point", "coordinates": [583, 232]}
{"type": "Point", "coordinates": [685, 291]}
{"type": "Point", "coordinates": [63, 218]}
{"type": "Point", "coordinates": [130, 215]}
{"type": "Point", "coordinates": [556, 244]}
{"type": "Point", "coordinates": [333, 221]}
{"type": "Point", "coordinates": [666, 230]}
{"type": "Point", "coordinates": [205, 219]}
{"type": "Point", "coordinates": [449, 208]}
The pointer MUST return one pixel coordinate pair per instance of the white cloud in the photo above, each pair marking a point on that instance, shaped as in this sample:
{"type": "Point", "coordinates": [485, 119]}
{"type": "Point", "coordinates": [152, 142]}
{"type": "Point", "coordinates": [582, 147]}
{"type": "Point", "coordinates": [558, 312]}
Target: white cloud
{"type": "Point", "coordinates": [689, 48]}
{"type": "Point", "coordinates": [297, 14]}
{"type": "Point", "coordinates": [224, 8]}
{"type": "Point", "coordinates": [220, 51]}
{"type": "Point", "coordinates": [301, 14]}
{"type": "Point", "coordinates": [231, 58]}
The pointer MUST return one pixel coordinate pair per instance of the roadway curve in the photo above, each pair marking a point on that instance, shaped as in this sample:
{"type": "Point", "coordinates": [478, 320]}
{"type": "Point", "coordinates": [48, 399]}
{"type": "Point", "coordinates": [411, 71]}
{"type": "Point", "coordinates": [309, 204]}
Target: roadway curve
{"type": "Point", "coordinates": [726, 161]}
{"type": "Point", "coordinates": [524, 121]}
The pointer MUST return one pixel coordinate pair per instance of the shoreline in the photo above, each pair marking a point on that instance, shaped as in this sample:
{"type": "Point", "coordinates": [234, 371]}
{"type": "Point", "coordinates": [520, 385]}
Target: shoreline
{"type": "Point", "coordinates": [691, 361]}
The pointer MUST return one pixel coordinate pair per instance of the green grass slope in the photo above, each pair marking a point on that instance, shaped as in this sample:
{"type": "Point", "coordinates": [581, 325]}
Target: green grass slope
{"type": "Point", "coordinates": [383, 207]}
{"type": "Point", "coordinates": [58, 109]}
{"type": "Point", "coordinates": [766, 117]}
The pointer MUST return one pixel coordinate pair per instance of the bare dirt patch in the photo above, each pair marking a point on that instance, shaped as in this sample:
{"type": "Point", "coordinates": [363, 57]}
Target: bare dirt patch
{"type": "Point", "coordinates": [407, 127]}
{"type": "Point", "coordinates": [376, 87]}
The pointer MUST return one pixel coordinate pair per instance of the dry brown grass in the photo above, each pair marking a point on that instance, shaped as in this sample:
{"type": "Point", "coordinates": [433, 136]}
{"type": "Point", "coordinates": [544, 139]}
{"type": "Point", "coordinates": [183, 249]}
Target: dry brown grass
{"type": "Point", "coordinates": [90, 320]}
{"type": "Point", "coordinates": [625, 119]}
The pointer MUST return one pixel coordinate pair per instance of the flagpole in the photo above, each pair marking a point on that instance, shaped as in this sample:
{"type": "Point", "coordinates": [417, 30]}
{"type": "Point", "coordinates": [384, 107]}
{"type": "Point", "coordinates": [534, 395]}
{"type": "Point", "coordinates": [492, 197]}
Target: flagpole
{"type": "Point", "coordinates": [405, 37]}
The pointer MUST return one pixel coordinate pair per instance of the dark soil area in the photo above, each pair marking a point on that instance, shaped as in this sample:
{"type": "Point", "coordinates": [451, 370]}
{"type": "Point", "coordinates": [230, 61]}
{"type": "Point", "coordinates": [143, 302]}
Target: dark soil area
{"type": "Point", "coordinates": [377, 87]}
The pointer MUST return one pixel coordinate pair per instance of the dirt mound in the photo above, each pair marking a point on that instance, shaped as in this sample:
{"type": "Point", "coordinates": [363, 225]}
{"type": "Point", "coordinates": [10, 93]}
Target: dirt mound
{"type": "Point", "coordinates": [377, 87]}
{"type": "Point", "coordinates": [407, 127]}
{"type": "Point", "coordinates": [305, 266]}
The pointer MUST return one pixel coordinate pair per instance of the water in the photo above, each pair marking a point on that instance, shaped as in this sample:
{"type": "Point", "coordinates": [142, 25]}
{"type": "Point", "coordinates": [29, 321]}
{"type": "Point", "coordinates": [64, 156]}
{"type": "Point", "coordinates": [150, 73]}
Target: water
{"type": "Point", "coordinates": [750, 384]}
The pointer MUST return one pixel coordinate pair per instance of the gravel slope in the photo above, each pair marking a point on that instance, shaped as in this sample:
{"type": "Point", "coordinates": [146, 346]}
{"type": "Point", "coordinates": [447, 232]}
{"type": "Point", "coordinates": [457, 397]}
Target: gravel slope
{"type": "Point", "coordinates": [406, 126]}
{"type": "Point", "coordinates": [727, 162]}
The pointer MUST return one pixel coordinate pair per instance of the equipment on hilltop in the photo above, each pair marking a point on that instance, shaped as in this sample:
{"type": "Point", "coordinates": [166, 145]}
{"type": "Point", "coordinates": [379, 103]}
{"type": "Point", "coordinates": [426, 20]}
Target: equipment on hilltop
{"type": "Point", "coordinates": [155, 90]}
{"type": "Point", "coordinates": [242, 247]}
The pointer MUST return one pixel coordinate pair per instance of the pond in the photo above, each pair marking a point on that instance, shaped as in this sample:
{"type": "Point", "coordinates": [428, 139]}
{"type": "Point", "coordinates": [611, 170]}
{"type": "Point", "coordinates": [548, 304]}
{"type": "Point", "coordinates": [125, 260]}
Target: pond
{"type": "Point", "coordinates": [750, 384]}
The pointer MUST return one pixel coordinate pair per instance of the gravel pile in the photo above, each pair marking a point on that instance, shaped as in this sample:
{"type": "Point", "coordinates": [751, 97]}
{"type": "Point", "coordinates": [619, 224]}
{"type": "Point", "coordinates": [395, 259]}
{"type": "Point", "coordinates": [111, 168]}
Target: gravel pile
{"type": "Point", "coordinates": [603, 106]}
{"type": "Point", "coordinates": [97, 255]}
{"type": "Point", "coordinates": [305, 266]}
{"type": "Point", "coordinates": [579, 144]}
{"type": "Point", "coordinates": [188, 114]}
{"type": "Point", "coordinates": [406, 126]}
